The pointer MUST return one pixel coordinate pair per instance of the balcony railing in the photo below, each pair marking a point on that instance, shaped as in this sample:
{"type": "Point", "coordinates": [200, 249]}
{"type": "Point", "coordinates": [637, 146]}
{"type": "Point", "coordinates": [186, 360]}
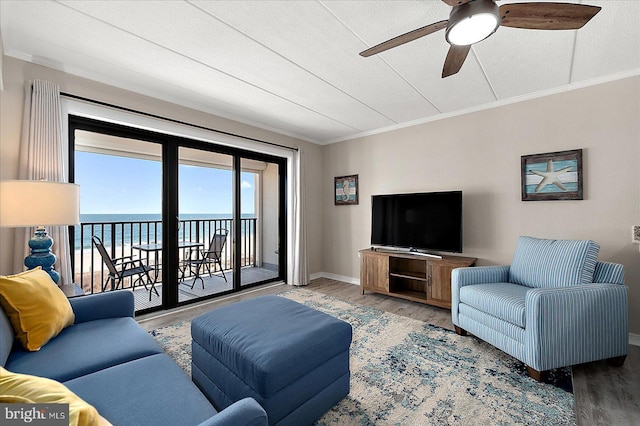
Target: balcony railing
{"type": "Point", "coordinates": [90, 272]}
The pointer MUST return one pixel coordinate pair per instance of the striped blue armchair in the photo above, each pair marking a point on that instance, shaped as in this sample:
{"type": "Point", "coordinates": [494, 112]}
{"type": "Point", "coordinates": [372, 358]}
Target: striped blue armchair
{"type": "Point", "coordinates": [556, 305]}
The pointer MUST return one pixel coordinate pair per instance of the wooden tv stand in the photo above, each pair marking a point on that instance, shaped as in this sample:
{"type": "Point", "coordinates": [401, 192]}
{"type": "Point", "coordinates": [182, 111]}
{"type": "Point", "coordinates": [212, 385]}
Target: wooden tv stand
{"type": "Point", "coordinates": [409, 276]}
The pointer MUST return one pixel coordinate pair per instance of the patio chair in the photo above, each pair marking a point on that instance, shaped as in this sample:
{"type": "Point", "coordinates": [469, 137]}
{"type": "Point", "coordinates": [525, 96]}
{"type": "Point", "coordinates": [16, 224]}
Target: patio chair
{"type": "Point", "coordinates": [205, 258]}
{"type": "Point", "coordinates": [121, 268]}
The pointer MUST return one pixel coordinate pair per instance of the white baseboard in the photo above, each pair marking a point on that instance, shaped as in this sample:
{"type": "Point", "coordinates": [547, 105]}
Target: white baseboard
{"type": "Point", "coordinates": [336, 277]}
{"type": "Point", "coordinates": [634, 339]}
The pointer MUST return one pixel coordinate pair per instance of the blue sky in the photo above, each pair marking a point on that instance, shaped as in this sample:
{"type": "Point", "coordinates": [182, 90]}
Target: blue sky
{"type": "Point", "coordinates": [111, 184]}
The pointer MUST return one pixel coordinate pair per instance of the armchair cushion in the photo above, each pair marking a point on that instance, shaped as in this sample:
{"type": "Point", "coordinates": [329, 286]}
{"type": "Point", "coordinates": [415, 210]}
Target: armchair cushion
{"type": "Point", "coordinates": [542, 263]}
{"type": "Point", "coordinates": [461, 277]}
{"type": "Point", "coordinates": [501, 300]}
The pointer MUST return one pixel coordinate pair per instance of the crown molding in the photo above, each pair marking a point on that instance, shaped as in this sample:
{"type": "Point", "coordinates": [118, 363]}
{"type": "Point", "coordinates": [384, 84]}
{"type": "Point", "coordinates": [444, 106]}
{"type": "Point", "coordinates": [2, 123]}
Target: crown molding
{"type": "Point", "coordinates": [495, 104]}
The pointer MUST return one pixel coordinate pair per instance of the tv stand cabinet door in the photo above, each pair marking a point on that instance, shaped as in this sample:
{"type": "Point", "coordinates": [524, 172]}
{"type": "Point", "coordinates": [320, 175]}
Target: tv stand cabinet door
{"type": "Point", "coordinates": [439, 288]}
{"type": "Point", "coordinates": [374, 272]}
{"type": "Point", "coordinates": [439, 278]}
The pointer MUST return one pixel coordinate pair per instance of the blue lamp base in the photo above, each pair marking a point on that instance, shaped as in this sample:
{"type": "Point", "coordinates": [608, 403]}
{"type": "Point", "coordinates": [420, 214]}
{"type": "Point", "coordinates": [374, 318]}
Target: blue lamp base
{"type": "Point", "coordinates": [41, 255]}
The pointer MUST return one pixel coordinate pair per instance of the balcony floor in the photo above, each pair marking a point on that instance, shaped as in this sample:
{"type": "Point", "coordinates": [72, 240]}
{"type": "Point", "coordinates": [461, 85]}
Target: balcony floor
{"type": "Point", "coordinates": [212, 285]}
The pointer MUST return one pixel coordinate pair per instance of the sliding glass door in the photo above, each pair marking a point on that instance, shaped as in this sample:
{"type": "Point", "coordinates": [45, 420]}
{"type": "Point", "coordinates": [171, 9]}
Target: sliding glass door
{"type": "Point", "coordinates": [120, 181]}
{"type": "Point", "coordinates": [209, 219]}
{"type": "Point", "coordinates": [205, 200]}
{"type": "Point", "coordinates": [261, 210]}
{"type": "Point", "coordinates": [231, 220]}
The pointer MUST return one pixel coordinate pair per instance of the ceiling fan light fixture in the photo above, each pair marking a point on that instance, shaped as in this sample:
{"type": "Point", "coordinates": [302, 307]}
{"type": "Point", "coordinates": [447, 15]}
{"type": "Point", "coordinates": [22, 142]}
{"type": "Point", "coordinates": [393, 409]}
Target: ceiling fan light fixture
{"type": "Point", "coordinates": [472, 22]}
{"type": "Point", "coordinates": [472, 29]}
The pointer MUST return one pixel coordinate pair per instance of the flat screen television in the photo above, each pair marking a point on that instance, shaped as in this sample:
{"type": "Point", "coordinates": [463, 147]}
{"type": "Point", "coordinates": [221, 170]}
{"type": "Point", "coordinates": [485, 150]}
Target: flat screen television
{"type": "Point", "coordinates": [428, 221]}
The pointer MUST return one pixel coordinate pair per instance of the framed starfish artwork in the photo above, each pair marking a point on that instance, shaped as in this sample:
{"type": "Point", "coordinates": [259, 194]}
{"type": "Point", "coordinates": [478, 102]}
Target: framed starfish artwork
{"type": "Point", "coordinates": [552, 176]}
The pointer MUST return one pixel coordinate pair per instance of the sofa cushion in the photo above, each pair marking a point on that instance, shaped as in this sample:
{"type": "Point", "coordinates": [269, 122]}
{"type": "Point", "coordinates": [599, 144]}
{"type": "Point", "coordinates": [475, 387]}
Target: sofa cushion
{"type": "Point", "coordinates": [544, 263]}
{"type": "Point", "coordinates": [84, 348]}
{"type": "Point", "coordinates": [148, 391]}
{"type": "Point", "coordinates": [26, 388]}
{"type": "Point", "coordinates": [6, 337]}
{"type": "Point", "coordinates": [37, 308]}
{"type": "Point", "coordinates": [500, 300]}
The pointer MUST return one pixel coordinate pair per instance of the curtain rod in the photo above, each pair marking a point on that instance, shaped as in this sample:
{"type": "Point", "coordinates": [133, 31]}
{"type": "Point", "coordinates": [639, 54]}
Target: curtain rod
{"type": "Point", "coordinates": [93, 101]}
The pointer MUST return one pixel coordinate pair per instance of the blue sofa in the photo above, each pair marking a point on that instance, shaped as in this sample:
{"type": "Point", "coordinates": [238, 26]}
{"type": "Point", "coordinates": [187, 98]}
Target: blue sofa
{"type": "Point", "coordinates": [556, 305]}
{"type": "Point", "coordinates": [108, 360]}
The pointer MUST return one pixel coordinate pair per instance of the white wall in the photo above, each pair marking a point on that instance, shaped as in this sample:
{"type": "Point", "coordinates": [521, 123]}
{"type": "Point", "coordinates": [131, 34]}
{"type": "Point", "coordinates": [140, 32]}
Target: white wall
{"type": "Point", "coordinates": [479, 153]}
{"type": "Point", "coordinates": [16, 73]}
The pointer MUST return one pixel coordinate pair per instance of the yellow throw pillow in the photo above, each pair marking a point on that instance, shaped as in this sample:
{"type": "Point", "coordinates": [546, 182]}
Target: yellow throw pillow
{"type": "Point", "coordinates": [14, 399]}
{"type": "Point", "coordinates": [37, 308]}
{"type": "Point", "coordinates": [22, 388]}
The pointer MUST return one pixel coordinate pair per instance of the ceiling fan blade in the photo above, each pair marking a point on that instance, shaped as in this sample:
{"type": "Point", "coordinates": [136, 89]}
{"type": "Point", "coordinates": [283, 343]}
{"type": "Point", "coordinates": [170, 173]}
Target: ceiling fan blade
{"type": "Point", "coordinates": [455, 59]}
{"type": "Point", "coordinates": [547, 16]}
{"type": "Point", "coordinates": [454, 3]}
{"type": "Point", "coordinates": [405, 38]}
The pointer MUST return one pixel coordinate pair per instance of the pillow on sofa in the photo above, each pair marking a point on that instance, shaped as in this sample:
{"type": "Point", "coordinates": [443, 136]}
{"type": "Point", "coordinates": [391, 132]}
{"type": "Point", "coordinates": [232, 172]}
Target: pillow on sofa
{"type": "Point", "coordinates": [23, 388]}
{"type": "Point", "coordinates": [15, 399]}
{"type": "Point", "coordinates": [37, 309]}
{"type": "Point", "coordinates": [542, 263]}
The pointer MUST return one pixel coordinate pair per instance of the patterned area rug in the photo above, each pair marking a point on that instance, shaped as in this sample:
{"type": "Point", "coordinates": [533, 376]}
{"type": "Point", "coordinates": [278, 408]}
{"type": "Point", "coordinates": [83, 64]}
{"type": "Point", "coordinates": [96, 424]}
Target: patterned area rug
{"type": "Point", "coordinates": [406, 372]}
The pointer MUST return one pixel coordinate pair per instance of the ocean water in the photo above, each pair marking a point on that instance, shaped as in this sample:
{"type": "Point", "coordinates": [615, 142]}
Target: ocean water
{"type": "Point", "coordinates": [127, 229]}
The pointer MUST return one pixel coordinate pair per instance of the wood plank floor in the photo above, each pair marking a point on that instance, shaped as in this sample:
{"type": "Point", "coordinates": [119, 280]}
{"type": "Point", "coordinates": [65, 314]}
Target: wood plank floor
{"type": "Point", "coordinates": [604, 395]}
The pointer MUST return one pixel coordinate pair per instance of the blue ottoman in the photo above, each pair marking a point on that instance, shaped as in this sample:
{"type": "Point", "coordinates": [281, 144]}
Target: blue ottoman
{"type": "Point", "coordinates": [290, 358]}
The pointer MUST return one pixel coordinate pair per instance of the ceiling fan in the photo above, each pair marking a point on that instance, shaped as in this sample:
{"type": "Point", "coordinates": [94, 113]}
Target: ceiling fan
{"type": "Point", "coordinates": [471, 21]}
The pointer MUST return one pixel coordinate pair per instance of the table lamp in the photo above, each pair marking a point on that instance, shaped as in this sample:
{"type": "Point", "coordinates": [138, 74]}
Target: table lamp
{"type": "Point", "coordinates": [25, 203]}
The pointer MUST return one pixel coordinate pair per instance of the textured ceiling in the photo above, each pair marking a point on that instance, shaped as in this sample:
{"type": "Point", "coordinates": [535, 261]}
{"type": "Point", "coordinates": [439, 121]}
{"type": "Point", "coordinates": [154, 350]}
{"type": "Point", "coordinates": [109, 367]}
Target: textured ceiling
{"type": "Point", "coordinates": [293, 66]}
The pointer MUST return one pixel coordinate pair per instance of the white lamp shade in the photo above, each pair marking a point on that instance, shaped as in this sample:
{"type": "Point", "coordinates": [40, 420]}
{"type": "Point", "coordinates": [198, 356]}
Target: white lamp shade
{"type": "Point", "coordinates": [32, 203]}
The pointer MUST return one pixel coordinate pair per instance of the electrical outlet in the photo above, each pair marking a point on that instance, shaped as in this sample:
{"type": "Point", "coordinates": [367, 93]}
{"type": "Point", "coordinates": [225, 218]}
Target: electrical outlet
{"type": "Point", "coordinates": [636, 234]}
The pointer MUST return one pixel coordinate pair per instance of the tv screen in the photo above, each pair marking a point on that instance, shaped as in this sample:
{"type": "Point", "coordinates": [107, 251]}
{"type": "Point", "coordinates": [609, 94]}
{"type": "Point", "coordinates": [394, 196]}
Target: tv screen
{"type": "Point", "coordinates": [424, 221]}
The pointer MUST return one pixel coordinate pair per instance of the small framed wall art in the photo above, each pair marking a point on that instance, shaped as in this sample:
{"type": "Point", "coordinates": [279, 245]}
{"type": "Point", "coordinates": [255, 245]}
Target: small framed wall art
{"type": "Point", "coordinates": [345, 190]}
{"type": "Point", "coordinates": [552, 176]}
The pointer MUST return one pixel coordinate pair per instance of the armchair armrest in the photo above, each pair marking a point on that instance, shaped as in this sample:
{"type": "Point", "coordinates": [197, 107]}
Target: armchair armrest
{"type": "Point", "coordinates": [575, 324]}
{"type": "Point", "coordinates": [608, 272]}
{"type": "Point", "coordinates": [461, 277]}
{"type": "Point", "coordinates": [246, 412]}
{"type": "Point", "coordinates": [480, 275]}
{"type": "Point", "coordinates": [113, 304]}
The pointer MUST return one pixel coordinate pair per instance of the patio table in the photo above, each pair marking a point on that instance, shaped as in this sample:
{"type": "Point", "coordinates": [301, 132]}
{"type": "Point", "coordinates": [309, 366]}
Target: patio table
{"type": "Point", "coordinates": [157, 247]}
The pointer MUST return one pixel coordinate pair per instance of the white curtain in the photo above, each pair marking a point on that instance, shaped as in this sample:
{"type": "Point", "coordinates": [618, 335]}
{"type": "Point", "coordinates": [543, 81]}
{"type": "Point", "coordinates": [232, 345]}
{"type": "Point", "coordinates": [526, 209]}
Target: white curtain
{"type": "Point", "coordinates": [44, 155]}
{"type": "Point", "coordinates": [300, 267]}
